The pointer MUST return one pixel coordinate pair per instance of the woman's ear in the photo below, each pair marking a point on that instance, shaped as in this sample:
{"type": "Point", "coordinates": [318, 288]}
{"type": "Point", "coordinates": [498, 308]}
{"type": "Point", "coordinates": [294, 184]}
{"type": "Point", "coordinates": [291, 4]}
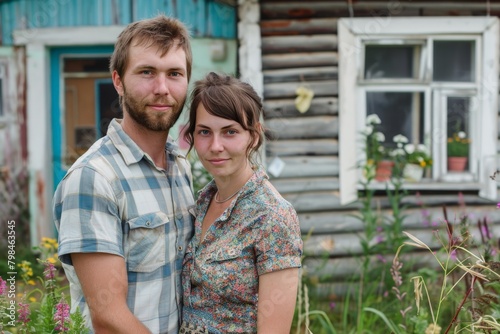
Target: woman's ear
{"type": "Point", "coordinates": [258, 130]}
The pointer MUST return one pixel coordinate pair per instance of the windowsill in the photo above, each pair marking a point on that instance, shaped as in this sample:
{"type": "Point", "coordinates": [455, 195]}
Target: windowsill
{"type": "Point", "coordinates": [427, 184]}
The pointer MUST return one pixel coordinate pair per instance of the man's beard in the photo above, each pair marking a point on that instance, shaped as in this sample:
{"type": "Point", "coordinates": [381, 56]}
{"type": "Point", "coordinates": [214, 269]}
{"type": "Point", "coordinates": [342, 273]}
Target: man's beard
{"type": "Point", "coordinates": [154, 121]}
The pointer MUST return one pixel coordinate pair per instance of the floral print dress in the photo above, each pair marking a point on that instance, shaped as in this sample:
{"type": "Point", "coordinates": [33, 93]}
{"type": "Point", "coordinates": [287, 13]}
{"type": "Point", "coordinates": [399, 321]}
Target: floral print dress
{"type": "Point", "coordinates": [258, 233]}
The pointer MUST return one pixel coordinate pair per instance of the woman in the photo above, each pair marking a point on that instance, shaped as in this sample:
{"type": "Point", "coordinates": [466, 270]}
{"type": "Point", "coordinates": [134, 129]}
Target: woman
{"type": "Point", "coordinates": [241, 268]}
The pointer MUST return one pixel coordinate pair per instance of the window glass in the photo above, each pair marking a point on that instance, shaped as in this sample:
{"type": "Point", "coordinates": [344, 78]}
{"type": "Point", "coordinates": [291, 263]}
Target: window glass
{"type": "Point", "coordinates": [400, 113]}
{"type": "Point", "coordinates": [390, 61]}
{"type": "Point", "coordinates": [1, 97]}
{"type": "Point", "coordinates": [90, 103]}
{"type": "Point", "coordinates": [454, 61]}
{"type": "Point", "coordinates": [458, 127]}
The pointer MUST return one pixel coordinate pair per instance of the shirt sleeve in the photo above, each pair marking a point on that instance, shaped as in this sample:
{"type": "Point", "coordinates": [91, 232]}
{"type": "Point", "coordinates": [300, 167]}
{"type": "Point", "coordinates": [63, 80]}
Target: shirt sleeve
{"type": "Point", "coordinates": [278, 242]}
{"type": "Point", "coordinates": [87, 215]}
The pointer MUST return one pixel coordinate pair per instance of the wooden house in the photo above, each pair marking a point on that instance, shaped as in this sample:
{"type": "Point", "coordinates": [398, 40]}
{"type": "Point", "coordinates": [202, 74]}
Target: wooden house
{"type": "Point", "coordinates": [422, 66]}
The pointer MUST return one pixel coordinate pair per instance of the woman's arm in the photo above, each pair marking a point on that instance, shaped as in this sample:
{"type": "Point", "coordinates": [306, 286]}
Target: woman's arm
{"type": "Point", "coordinates": [276, 305]}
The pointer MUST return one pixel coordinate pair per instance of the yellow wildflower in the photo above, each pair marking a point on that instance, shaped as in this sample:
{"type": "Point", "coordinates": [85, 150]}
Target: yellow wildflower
{"type": "Point", "coordinates": [433, 329]}
{"type": "Point", "coordinates": [31, 282]}
{"type": "Point", "coordinates": [32, 299]}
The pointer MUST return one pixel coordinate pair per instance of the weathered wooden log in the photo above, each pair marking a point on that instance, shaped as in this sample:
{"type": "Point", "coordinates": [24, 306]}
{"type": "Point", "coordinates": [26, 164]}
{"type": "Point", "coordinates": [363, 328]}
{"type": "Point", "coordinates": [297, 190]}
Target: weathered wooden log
{"type": "Point", "coordinates": [299, 27]}
{"type": "Point", "coordinates": [304, 184]}
{"type": "Point", "coordinates": [302, 74]}
{"type": "Point", "coordinates": [287, 44]}
{"type": "Point", "coordinates": [299, 59]}
{"type": "Point", "coordinates": [286, 107]}
{"type": "Point", "coordinates": [305, 127]}
{"type": "Point", "coordinates": [288, 89]}
{"type": "Point", "coordinates": [302, 147]}
{"type": "Point", "coordinates": [307, 166]}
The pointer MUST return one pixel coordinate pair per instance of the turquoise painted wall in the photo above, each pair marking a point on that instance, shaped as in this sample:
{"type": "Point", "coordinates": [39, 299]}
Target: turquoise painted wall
{"type": "Point", "coordinates": [205, 18]}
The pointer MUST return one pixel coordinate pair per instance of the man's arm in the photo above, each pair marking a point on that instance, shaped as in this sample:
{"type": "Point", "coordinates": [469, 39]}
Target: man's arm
{"type": "Point", "coordinates": [104, 283]}
{"type": "Point", "coordinates": [276, 305]}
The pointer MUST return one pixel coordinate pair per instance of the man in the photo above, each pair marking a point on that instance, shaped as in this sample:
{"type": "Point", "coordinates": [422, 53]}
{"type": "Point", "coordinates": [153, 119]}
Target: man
{"type": "Point", "coordinates": [122, 208]}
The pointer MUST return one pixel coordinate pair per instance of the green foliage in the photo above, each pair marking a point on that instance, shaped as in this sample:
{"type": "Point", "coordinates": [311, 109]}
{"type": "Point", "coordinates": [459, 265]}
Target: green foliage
{"type": "Point", "coordinates": [200, 175]}
{"type": "Point", "coordinates": [43, 307]}
{"type": "Point", "coordinates": [458, 145]}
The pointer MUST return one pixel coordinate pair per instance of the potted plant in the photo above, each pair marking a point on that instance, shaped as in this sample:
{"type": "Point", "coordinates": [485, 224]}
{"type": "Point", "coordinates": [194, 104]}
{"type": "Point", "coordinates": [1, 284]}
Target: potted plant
{"type": "Point", "coordinates": [458, 151]}
{"type": "Point", "coordinates": [417, 160]}
{"type": "Point", "coordinates": [378, 160]}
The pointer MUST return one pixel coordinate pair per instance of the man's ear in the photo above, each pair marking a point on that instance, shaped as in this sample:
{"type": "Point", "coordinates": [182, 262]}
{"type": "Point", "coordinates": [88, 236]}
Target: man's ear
{"type": "Point", "coordinates": [117, 82]}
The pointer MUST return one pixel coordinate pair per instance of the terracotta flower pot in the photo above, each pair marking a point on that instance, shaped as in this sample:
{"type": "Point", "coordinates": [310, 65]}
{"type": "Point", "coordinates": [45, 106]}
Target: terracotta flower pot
{"type": "Point", "coordinates": [384, 170]}
{"type": "Point", "coordinates": [457, 164]}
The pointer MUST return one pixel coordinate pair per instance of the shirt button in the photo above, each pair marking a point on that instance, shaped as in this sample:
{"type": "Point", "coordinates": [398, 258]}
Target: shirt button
{"type": "Point", "coordinates": [148, 223]}
{"type": "Point", "coordinates": [179, 248]}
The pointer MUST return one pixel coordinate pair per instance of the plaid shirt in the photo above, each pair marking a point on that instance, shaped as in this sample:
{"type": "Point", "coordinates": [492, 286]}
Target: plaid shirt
{"type": "Point", "coordinates": [115, 200]}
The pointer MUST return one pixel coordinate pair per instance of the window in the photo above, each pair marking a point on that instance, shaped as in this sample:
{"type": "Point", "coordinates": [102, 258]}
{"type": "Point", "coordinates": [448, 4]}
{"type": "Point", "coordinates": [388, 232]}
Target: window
{"type": "Point", "coordinates": [427, 79]}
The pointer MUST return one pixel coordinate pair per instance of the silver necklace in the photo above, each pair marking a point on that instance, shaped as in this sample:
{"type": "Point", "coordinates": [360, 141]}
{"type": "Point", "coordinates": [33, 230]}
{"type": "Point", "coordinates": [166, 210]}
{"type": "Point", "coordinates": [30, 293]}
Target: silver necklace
{"type": "Point", "coordinates": [224, 200]}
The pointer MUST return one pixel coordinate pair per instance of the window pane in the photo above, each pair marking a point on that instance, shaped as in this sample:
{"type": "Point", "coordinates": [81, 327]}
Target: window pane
{"type": "Point", "coordinates": [458, 111]}
{"type": "Point", "coordinates": [400, 113]}
{"type": "Point", "coordinates": [454, 61]}
{"type": "Point", "coordinates": [389, 61]}
{"type": "Point", "coordinates": [90, 103]}
{"type": "Point", "coordinates": [1, 98]}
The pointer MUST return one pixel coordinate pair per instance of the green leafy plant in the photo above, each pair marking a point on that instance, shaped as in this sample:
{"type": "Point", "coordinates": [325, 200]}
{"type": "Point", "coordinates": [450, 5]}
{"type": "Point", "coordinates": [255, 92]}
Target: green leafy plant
{"type": "Point", "coordinates": [458, 145]}
{"type": "Point", "coordinates": [466, 299]}
{"type": "Point", "coordinates": [43, 306]}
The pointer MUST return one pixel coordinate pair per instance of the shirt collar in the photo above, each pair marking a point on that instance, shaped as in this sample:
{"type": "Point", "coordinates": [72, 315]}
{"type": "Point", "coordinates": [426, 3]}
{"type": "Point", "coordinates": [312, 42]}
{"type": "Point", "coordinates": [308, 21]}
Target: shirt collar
{"type": "Point", "coordinates": [255, 180]}
{"type": "Point", "coordinates": [129, 150]}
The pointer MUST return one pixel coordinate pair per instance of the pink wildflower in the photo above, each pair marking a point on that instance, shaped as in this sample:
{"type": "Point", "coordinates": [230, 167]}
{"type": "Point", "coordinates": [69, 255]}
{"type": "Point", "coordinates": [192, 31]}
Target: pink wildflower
{"type": "Point", "coordinates": [61, 316]}
{"type": "Point", "coordinates": [3, 286]}
{"type": "Point", "coordinates": [498, 205]}
{"type": "Point", "coordinates": [49, 271]}
{"type": "Point", "coordinates": [24, 313]}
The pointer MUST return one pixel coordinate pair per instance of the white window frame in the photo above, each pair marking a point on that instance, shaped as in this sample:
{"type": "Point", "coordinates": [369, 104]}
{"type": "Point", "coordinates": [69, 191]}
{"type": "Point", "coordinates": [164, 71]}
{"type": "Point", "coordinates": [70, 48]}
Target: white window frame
{"type": "Point", "coordinates": [354, 32]}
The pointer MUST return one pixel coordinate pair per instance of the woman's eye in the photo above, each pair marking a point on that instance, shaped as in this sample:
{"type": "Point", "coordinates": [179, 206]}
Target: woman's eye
{"type": "Point", "coordinates": [203, 132]}
{"type": "Point", "coordinates": [231, 132]}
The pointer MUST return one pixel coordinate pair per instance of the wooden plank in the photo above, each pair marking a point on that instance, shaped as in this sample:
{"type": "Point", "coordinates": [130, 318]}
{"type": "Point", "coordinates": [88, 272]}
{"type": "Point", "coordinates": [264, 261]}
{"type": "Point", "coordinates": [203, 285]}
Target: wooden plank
{"type": "Point", "coordinates": [348, 220]}
{"type": "Point", "coordinates": [302, 147]}
{"type": "Point", "coordinates": [299, 26]}
{"type": "Point", "coordinates": [320, 88]}
{"type": "Point", "coordinates": [340, 269]}
{"type": "Point", "coordinates": [286, 107]}
{"type": "Point", "coordinates": [313, 201]}
{"type": "Point", "coordinates": [285, 186]}
{"type": "Point", "coordinates": [303, 9]}
{"type": "Point", "coordinates": [299, 59]}
{"type": "Point", "coordinates": [304, 127]}
{"type": "Point", "coordinates": [349, 244]}
{"type": "Point", "coordinates": [286, 44]}
{"type": "Point", "coordinates": [307, 166]}
{"type": "Point", "coordinates": [301, 74]}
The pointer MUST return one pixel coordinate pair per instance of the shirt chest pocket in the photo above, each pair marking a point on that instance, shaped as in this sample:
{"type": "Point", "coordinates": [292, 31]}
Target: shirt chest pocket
{"type": "Point", "coordinates": [231, 258]}
{"type": "Point", "coordinates": [148, 242]}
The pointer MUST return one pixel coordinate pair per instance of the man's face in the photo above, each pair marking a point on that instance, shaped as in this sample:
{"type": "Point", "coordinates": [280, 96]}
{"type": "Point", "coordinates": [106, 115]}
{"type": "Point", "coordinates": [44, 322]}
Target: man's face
{"type": "Point", "coordinates": [153, 87]}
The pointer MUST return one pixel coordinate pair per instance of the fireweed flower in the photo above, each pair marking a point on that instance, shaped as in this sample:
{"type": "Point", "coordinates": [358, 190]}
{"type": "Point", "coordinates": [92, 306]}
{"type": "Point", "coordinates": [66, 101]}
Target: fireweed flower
{"type": "Point", "coordinates": [24, 313]}
{"type": "Point", "coordinates": [49, 271]}
{"type": "Point", "coordinates": [61, 316]}
{"type": "Point", "coordinates": [3, 287]}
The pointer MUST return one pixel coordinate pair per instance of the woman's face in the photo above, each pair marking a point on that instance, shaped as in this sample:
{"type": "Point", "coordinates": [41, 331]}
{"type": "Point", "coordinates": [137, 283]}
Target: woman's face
{"type": "Point", "coordinates": [221, 144]}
